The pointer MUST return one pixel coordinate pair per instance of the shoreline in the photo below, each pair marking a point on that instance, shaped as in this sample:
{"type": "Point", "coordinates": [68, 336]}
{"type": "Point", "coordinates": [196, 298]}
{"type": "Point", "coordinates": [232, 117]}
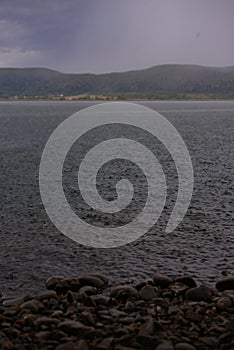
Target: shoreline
{"type": "Point", "coordinates": [117, 100]}
{"type": "Point", "coordinates": [87, 312]}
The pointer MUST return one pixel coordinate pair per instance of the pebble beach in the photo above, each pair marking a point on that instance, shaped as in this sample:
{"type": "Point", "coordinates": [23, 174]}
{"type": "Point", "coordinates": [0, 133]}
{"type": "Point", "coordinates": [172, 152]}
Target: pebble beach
{"type": "Point", "coordinates": [88, 312]}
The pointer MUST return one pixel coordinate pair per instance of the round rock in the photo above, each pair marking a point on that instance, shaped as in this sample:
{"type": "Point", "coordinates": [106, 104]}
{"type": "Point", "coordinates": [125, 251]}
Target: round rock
{"type": "Point", "coordinates": [202, 293]}
{"type": "Point", "coordinates": [225, 284]}
{"type": "Point", "coordinates": [184, 346]}
{"type": "Point", "coordinates": [33, 305]}
{"type": "Point", "coordinates": [187, 280]}
{"type": "Point", "coordinates": [91, 281]}
{"type": "Point", "coordinates": [224, 303]}
{"type": "Point", "coordinates": [148, 293]}
{"type": "Point", "coordinates": [61, 285]}
{"type": "Point", "coordinates": [131, 291]}
{"type": "Point", "coordinates": [166, 345]}
{"type": "Point", "coordinates": [162, 281]}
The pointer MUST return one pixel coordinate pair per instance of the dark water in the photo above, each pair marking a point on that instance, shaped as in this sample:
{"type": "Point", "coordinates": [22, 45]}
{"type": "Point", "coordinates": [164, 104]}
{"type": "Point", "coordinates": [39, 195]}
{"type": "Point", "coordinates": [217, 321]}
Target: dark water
{"type": "Point", "coordinates": [32, 249]}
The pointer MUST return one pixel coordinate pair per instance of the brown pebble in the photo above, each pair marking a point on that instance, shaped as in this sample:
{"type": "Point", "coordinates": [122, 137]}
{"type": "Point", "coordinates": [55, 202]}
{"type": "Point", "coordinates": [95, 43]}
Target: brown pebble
{"type": "Point", "coordinates": [88, 290]}
{"type": "Point", "coordinates": [91, 281]}
{"type": "Point", "coordinates": [73, 327]}
{"type": "Point", "coordinates": [166, 345]}
{"type": "Point", "coordinates": [225, 284]}
{"type": "Point", "coordinates": [187, 280]}
{"type": "Point", "coordinates": [147, 328]}
{"type": "Point", "coordinates": [33, 305]}
{"type": "Point", "coordinates": [129, 291]}
{"type": "Point", "coordinates": [184, 346]}
{"type": "Point", "coordinates": [161, 281]}
{"type": "Point", "coordinates": [105, 344]}
{"type": "Point", "coordinates": [149, 293]}
{"type": "Point", "coordinates": [46, 295]}
{"type": "Point", "coordinates": [224, 303]}
{"type": "Point", "coordinates": [81, 345]}
{"type": "Point", "coordinates": [46, 321]}
{"type": "Point", "coordinates": [61, 285]}
{"type": "Point", "coordinates": [202, 293]}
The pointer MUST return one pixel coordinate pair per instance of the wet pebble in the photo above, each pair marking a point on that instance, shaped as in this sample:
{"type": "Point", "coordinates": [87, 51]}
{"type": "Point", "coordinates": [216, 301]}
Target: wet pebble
{"type": "Point", "coordinates": [33, 305]}
{"type": "Point", "coordinates": [225, 284]}
{"type": "Point", "coordinates": [224, 303]}
{"type": "Point", "coordinates": [171, 316]}
{"type": "Point", "coordinates": [187, 280]}
{"type": "Point", "coordinates": [61, 285]}
{"type": "Point", "coordinates": [166, 345]}
{"type": "Point", "coordinates": [201, 293]}
{"type": "Point", "coordinates": [92, 281]}
{"type": "Point", "coordinates": [124, 292]}
{"type": "Point", "coordinates": [149, 293]}
{"type": "Point", "coordinates": [81, 345]}
{"type": "Point", "coordinates": [88, 290]}
{"type": "Point", "coordinates": [184, 346]}
{"type": "Point", "coordinates": [162, 281]}
{"type": "Point", "coordinates": [73, 327]}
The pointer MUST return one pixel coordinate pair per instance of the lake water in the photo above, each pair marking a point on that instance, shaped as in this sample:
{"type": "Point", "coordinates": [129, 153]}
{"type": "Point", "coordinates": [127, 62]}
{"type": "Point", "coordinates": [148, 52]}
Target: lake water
{"type": "Point", "coordinates": [32, 249]}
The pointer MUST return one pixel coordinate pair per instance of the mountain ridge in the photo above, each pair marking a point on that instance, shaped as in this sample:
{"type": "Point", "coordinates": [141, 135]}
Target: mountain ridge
{"type": "Point", "coordinates": [167, 79]}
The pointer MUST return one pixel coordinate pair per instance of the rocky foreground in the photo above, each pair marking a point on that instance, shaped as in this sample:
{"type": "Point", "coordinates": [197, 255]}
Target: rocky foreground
{"type": "Point", "coordinates": [87, 313]}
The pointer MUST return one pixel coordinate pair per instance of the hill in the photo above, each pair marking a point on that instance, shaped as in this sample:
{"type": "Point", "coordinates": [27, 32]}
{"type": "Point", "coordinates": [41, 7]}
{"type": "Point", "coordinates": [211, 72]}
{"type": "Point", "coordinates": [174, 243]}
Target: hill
{"type": "Point", "coordinates": [164, 80]}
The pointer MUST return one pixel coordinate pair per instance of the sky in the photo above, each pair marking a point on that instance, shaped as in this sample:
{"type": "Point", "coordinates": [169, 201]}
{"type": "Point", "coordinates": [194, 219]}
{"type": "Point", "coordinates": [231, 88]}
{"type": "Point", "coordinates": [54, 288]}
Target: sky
{"type": "Point", "coordinates": [100, 36]}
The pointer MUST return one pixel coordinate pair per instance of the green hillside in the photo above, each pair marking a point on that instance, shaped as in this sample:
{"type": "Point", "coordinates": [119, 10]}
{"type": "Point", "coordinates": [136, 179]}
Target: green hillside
{"type": "Point", "coordinates": [164, 80]}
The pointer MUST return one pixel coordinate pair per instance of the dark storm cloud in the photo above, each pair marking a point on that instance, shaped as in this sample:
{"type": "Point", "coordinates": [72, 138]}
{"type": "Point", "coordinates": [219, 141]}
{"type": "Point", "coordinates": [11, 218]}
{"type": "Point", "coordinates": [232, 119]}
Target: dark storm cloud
{"type": "Point", "coordinates": [109, 35]}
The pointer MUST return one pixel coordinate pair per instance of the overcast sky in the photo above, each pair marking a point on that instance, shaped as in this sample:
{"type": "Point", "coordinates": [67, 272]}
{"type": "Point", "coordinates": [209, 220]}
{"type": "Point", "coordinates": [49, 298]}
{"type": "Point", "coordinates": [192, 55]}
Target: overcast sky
{"type": "Point", "coordinates": [115, 35]}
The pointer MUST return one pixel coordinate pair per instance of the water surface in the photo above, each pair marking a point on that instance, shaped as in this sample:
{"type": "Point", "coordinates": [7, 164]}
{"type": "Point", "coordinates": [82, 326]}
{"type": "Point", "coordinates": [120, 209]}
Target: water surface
{"type": "Point", "coordinates": [32, 249]}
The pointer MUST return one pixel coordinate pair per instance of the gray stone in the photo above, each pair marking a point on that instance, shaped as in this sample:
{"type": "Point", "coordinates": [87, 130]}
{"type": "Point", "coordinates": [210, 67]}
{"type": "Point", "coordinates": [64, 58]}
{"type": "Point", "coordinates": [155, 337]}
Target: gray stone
{"type": "Point", "coordinates": [46, 321]}
{"type": "Point", "coordinates": [41, 336]}
{"type": "Point", "coordinates": [143, 283]}
{"type": "Point", "coordinates": [193, 316]}
{"type": "Point", "coordinates": [225, 284]}
{"type": "Point", "coordinates": [187, 280]}
{"type": "Point", "coordinates": [166, 345]}
{"type": "Point", "coordinates": [91, 281]}
{"type": "Point", "coordinates": [148, 293]}
{"type": "Point", "coordinates": [212, 342]}
{"type": "Point", "coordinates": [46, 295]}
{"type": "Point", "coordinates": [87, 318]}
{"type": "Point", "coordinates": [80, 297]}
{"type": "Point", "coordinates": [70, 297]}
{"type": "Point", "coordinates": [88, 290]}
{"type": "Point", "coordinates": [101, 299]}
{"type": "Point", "coordinates": [100, 276]}
{"type": "Point", "coordinates": [119, 347]}
{"type": "Point", "coordinates": [130, 306]}
{"type": "Point", "coordinates": [202, 293]}
{"type": "Point", "coordinates": [105, 344]}
{"type": "Point", "coordinates": [178, 287]}
{"type": "Point", "coordinates": [229, 293]}
{"type": "Point", "coordinates": [74, 327]}
{"type": "Point", "coordinates": [184, 346]}
{"type": "Point", "coordinates": [81, 345]}
{"type": "Point", "coordinates": [162, 281]}
{"type": "Point", "coordinates": [57, 314]}
{"type": "Point", "coordinates": [147, 328]}
{"type": "Point", "coordinates": [33, 305]}
{"type": "Point", "coordinates": [61, 285]}
{"type": "Point", "coordinates": [127, 320]}
{"type": "Point", "coordinates": [117, 313]}
{"type": "Point", "coordinates": [16, 301]}
{"type": "Point", "coordinates": [124, 292]}
{"type": "Point", "coordinates": [224, 303]}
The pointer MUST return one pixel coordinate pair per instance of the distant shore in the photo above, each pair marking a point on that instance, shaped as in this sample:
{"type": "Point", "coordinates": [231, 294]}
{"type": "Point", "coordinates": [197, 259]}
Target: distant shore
{"type": "Point", "coordinates": [109, 99]}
